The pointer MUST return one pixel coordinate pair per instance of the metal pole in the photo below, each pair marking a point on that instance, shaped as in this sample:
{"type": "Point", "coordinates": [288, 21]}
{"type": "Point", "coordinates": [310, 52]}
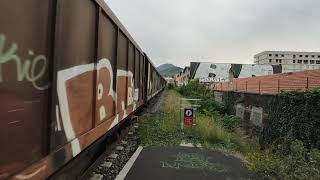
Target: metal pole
{"type": "Point", "coordinates": [181, 124]}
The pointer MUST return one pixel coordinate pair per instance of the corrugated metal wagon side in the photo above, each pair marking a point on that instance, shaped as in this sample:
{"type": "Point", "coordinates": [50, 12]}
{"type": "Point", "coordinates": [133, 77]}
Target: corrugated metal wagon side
{"type": "Point", "coordinates": [69, 72]}
{"type": "Point", "coordinates": [26, 41]}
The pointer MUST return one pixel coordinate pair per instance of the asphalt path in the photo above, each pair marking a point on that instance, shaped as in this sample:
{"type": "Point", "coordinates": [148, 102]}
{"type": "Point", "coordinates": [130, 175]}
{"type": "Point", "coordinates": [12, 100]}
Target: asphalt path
{"type": "Point", "coordinates": [186, 163]}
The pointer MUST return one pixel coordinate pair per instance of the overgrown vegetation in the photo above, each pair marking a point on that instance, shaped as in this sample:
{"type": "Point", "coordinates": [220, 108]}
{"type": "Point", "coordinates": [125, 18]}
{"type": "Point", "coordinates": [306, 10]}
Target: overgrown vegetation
{"type": "Point", "coordinates": [214, 128]}
{"type": "Point", "coordinates": [295, 116]}
{"type": "Point", "coordinates": [162, 128]}
{"type": "Point", "coordinates": [293, 132]}
{"type": "Point", "coordinates": [208, 105]}
{"type": "Point", "coordinates": [298, 163]}
{"type": "Point", "coordinates": [293, 136]}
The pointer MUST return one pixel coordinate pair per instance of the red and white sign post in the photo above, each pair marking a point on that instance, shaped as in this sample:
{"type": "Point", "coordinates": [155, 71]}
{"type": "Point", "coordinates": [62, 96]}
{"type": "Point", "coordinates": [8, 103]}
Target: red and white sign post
{"type": "Point", "coordinates": [188, 108]}
{"type": "Point", "coordinates": [188, 117]}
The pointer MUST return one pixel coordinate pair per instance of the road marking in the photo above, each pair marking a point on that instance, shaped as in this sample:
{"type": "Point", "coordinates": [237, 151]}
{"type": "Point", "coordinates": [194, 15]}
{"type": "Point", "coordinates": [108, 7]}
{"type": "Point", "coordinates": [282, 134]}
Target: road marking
{"type": "Point", "coordinates": [123, 173]}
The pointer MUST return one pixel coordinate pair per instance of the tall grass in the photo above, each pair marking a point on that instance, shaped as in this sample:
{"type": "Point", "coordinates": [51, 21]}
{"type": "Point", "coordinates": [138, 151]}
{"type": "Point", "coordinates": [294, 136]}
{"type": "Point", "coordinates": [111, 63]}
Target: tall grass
{"type": "Point", "coordinates": [163, 129]}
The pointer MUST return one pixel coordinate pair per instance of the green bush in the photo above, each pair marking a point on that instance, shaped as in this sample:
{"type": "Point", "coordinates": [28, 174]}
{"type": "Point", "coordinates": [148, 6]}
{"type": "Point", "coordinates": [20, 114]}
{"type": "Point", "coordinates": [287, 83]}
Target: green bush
{"type": "Point", "coordinates": [207, 104]}
{"type": "Point", "coordinates": [230, 122]}
{"type": "Point", "coordinates": [171, 86]}
{"type": "Point", "coordinates": [299, 163]}
{"type": "Point", "coordinates": [295, 115]}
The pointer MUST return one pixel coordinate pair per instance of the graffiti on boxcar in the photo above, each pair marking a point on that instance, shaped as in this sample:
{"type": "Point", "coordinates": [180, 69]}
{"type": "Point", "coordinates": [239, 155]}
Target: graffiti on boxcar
{"type": "Point", "coordinates": [130, 88]}
{"type": "Point", "coordinates": [105, 92]}
{"type": "Point", "coordinates": [25, 70]}
{"type": "Point", "coordinates": [74, 98]}
{"type": "Point", "coordinates": [31, 175]}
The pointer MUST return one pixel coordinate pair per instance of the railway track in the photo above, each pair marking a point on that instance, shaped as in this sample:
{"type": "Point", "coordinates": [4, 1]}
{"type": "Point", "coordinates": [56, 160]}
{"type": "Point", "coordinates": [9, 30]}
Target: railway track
{"type": "Point", "coordinates": [86, 162]}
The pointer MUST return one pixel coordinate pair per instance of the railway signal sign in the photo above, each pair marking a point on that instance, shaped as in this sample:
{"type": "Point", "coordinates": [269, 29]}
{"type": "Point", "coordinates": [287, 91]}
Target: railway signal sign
{"type": "Point", "coordinates": [188, 116]}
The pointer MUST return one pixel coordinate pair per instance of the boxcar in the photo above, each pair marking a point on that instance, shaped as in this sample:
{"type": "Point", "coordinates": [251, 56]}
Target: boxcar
{"type": "Point", "coordinates": [69, 73]}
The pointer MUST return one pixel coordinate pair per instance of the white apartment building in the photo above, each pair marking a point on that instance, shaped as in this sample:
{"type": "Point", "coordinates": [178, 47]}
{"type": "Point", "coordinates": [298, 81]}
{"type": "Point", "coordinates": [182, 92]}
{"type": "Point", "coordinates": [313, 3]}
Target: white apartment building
{"type": "Point", "coordinates": [288, 58]}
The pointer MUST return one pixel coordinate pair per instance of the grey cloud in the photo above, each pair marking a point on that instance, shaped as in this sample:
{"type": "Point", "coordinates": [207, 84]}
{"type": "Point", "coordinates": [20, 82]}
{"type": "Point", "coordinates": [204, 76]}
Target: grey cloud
{"type": "Point", "coordinates": [178, 31]}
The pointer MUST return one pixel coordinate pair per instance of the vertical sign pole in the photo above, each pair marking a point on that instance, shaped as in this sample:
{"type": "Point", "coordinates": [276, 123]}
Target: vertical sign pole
{"type": "Point", "coordinates": [181, 120]}
{"type": "Point", "coordinates": [195, 116]}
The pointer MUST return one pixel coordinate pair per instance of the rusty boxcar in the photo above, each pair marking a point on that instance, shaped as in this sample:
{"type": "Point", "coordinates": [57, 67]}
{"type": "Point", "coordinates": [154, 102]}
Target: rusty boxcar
{"type": "Point", "coordinates": [69, 72]}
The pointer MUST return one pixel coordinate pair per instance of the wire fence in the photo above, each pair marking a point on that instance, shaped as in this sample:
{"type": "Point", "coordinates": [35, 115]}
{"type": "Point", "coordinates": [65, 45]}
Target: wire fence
{"type": "Point", "coordinates": [273, 84]}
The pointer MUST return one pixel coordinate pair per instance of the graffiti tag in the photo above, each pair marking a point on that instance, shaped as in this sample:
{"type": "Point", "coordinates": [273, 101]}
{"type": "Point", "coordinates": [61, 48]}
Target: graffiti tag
{"type": "Point", "coordinates": [25, 70]}
{"type": "Point", "coordinates": [194, 161]}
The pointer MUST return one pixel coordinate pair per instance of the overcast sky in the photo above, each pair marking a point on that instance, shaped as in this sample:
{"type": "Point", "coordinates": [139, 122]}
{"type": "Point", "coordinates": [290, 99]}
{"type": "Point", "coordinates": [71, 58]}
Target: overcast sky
{"type": "Point", "coordinates": [180, 31]}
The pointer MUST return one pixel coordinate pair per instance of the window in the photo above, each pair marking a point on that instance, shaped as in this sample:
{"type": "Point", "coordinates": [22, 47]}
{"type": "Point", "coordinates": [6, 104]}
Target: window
{"type": "Point", "coordinates": [212, 75]}
{"type": "Point", "coordinates": [213, 66]}
{"type": "Point", "coordinates": [282, 55]}
{"type": "Point", "coordinates": [276, 55]}
{"type": "Point", "coordinates": [300, 55]}
{"type": "Point", "coordinates": [270, 60]}
{"type": "Point", "coordinates": [294, 56]}
{"type": "Point", "coordinates": [311, 61]}
{"type": "Point", "coordinates": [307, 56]}
{"type": "Point", "coordinates": [280, 61]}
{"type": "Point", "coordinates": [299, 61]}
{"type": "Point", "coordinates": [318, 56]}
{"type": "Point", "coordinates": [312, 56]}
{"type": "Point", "coordinates": [305, 61]}
{"type": "Point", "coordinates": [294, 61]}
{"type": "Point", "coordinates": [277, 60]}
{"type": "Point", "coordinates": [317, 62]}
{"type": "Point", "coordinates": [270, 55]}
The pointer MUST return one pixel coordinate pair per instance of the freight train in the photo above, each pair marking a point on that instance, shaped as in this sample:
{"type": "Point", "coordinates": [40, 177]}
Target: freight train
{"type": "Point", "coordinates": [69, 73]}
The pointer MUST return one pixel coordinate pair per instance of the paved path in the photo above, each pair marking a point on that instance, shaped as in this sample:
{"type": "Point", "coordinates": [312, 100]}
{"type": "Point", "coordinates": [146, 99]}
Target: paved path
{"type": "Point", "coordinates": [186, 163]}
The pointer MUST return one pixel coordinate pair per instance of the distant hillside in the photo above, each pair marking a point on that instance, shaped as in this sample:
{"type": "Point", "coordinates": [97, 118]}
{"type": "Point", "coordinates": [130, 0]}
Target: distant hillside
{"type": "Point", "coordinates": [168, 69]}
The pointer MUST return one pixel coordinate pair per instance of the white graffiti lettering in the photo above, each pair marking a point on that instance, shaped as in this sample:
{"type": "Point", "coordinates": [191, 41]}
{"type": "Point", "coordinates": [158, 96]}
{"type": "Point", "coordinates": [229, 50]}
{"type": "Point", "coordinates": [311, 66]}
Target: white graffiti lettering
{"type": "Point", "coordinates": [25, 70]}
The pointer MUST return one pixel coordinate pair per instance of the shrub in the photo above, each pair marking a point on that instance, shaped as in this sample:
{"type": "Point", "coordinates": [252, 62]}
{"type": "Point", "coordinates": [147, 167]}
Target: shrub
{"type": "Point", "coordinates": [295, 115]}
{"type": "Point", "coordinates": [230, 122]}
{"type": "Point", "coordinates": [208, 105]}
{"type": "Point", "coordinates": [171, 86]}
{"type": "Point", "coordinates": [299, 163]}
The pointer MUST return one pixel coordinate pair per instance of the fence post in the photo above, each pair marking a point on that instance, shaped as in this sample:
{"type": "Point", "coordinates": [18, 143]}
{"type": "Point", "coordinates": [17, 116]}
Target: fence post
{"type": "Point", "coordinates": [307, 83]}
{"type": "Point", "coordinates": [278, 85]}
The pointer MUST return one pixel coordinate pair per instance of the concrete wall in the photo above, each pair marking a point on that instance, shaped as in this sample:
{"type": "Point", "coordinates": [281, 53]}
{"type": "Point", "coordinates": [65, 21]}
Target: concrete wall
{"type": "Point", "coordinates": [252, 109]}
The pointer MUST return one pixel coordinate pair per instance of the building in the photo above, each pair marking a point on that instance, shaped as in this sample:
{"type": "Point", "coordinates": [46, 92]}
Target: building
{"type": "Point", "coordinates": [169, 80]}
{"type": "Point", "coordinates": [182, 77]}
{"type": "Point", "coordinates": [213, 73]}
{"type": "Point", "coordinates": [303, 59]}
{"type": "Point", "coordinates": [207, 72]}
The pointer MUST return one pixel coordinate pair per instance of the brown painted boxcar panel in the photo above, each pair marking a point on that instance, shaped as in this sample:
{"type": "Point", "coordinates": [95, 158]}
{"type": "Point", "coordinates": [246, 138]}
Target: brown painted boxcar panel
{"type": "Point", "coordinates": [91, 58]}
{"type": "Point", "coordinates": [141, 77]}
{"type": "Point", "coordinates": [136, 74]}
{"type": "Point", "coordinates": [75, 42]}
{"type": "Point", "coordinates": [130, 74]}
{"type": "Point", "coordinates": [122, 74]}
{"type": "Point", "coordinates": [107, 48]}
{"type": "Point", "coordinates": [24, 82]}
